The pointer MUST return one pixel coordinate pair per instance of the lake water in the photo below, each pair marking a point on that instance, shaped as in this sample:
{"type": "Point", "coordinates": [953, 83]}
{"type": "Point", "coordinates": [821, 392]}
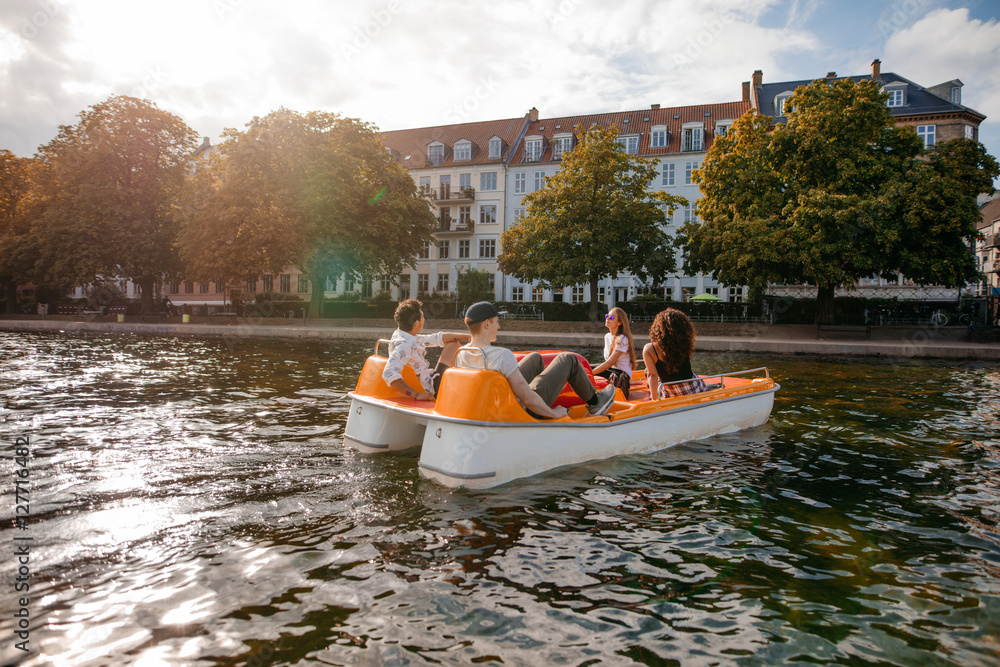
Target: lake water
{"type": "Point", "coordinates": [189, 502]}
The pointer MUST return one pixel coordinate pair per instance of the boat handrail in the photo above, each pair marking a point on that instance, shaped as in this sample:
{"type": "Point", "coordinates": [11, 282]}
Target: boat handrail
{"type": "Point", "coordinates": [470, 348]}
{"type": "Point", "coordinates": [767, 375]}
{"type": "Point", "coordinates": [379, 341]}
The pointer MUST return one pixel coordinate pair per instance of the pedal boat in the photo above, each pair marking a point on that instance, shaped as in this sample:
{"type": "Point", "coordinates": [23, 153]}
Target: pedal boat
{"type": "Point", "coordinates": [478, 435]}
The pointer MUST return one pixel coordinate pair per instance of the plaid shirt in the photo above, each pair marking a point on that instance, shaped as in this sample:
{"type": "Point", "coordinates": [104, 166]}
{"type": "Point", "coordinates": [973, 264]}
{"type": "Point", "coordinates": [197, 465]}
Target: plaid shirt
{"type": "Point", "coordinates": [695, 386]}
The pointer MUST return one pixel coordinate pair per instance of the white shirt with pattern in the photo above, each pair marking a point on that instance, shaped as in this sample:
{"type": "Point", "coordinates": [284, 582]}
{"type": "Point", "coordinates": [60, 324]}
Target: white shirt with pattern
{"type": "Point", "coordinates": [407, 349]}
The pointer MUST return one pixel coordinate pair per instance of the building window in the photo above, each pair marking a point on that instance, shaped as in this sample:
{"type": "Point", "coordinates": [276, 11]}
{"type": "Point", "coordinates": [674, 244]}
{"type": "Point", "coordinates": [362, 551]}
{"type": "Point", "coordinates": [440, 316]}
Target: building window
{"type": "Point", "coordinates": [463, 249]}
{"type": "Point", "coordinates": [425, 250]}
{"type": "Point", "coordinates": [488, 180]}
{"type": "Point", "coordinates": [689, 213]}
{"type": "Point", "coordinates": [722, 129]}
{"type": "Point", "coordinates": [175, 288]}
{"type": "Point", "coordinates": [285, 282]}
{"type": "Point", "coordinates": [444, 249]}
{"type": "Point", "coordinates": [602, 293]}
{"type": "Point", "coordinates": [970, 132]}
{"type": "Point", "coordinates": [384, 284]}
{"type": "Point", "coordinates": [487, 214]}
{"type": "Point", "coordinates": [435, 153]}
{"type": "Point", "coordinates": [464, 216]}
{"type": "Point", "coordinates": [668, 293]}
{"type": "Point", "coordinates": [203, 286]}
{"type": "Point", "coordinates": [689, 168]}
{"type": "Point", "coordinates": [668, 174]}
{"type": "Point", "coordinates": [487, 248]}
{"type": "Point", "coordinates": [348, 284]}
{"type": "Point", "coordinates": [464, 181]}
{"type": "Point", "coordinates": [926, 132]}
{"type": "Point", "coordinates": [532, 150]}
{"type": "Point", "coordinates": [578, 294]}
{"type": "Point", "coordinates": [518, 214]}
{"type": "Point", "coordinates": [268, 283]}
{"type": "Point", "coordinates": [517, 294]}
{"type": "Point", "coordinates": [561, 145]}
{"type": "Point", "coordinates": [442, 285]}
{"type": "Point", "coordinates": [520, 183]}
{"type": "Point", "coordinates": [303, 284]}
{"type": "Point", "coordinates": [539, 180]}
{"type": "Point", "coordinates": [956, 95]}
{"type": "Point", "coordinates": [737, 294]}
{"type": "Point", "coordinates": [425, 183]}
{"type": "Point", "coordinates": [423, 282]}
{"type": "Point", "coordinates": [692, 139]}
{"type": "Point", "coordinates": [537, 294]}
{"type": "Point", "coordinates": [189, 286]}
{"type": "Point", "coordinates": [630, 144]}
{"type": "Point", "coordinates": [895, 97]}
{"type": "Point", "coordinates": [780, 103]}
{"type": "Point", "coordinates": [463, 151]}
{"type": "Point", "coordinates": [496, 148]}
{"type": "Point", "coordinates": [658, 137]}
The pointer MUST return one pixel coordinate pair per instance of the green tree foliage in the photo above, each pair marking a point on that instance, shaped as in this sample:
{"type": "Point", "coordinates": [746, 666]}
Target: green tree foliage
{"type": "Point", "coordinates": [16, 256]}
{"type": "Point", "coordinates": [107, 195]}
{"type": "Point", "coordinates": [312, 190]}
{"type": "Point", "coordinates": [594, 218]}
{"type": "Point", "coordinates": [837, 194]}
{"type": "Point", "coordinates": [473, 286]}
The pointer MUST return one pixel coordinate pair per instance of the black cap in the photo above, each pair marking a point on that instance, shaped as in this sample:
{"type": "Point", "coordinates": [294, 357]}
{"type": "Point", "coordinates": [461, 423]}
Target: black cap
{"type": "Point", "coordinates": [480, 312]}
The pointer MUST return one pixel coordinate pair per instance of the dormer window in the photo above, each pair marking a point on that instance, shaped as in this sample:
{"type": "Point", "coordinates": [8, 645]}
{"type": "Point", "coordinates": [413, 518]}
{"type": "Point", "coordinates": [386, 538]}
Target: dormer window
{"type": "Point", "coordinates": [496, 148]}
{"type": "Point", "coordinates": [692, 137]}
{"type": "Point", "coordinates": [780, 101]}
{"type": "Point", "coordinates": [435, 153]}
{"type": "Point", "coordinates": [658, 136]}
{"type": "Point", "coordinates": [722, 128]}
{"type": "Point", "coordinates": [897, 95]}
{"type": "Point", "coordinates": [630, 143]}
{"type": "Point", "coordinates": [463, 151]}
{"type": "Point", "coordinates": [562, 143]}
{"type": "Point", "coordinates": [533, 149]}
{"type": "Point", "coordinates": [956, 95]}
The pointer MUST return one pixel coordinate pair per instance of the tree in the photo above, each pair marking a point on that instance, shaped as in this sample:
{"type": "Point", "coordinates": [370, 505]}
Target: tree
{"type": "Point", "coordinates": [473, 286]}
{"type": "Point", "coordinates": [108, 189]}
{"type": "Point", "coordinates": [16, 257]}
{"type": "Point", "coordinates": [593, 219]}
{"type": "Point", "coordinates": [312, 190]}
{"type": "Point", "coordinates": [837, 194]}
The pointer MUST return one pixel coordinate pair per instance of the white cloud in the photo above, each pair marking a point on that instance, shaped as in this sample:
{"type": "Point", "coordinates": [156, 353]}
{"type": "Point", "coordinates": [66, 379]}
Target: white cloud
{"type": "Point", "coordinates": [947, 44]}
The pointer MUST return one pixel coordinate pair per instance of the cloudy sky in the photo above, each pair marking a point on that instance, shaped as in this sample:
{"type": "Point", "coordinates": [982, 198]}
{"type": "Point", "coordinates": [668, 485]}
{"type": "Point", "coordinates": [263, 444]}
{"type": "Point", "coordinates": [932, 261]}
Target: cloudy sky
{"type": "Point", "coordinates": [415, 63]}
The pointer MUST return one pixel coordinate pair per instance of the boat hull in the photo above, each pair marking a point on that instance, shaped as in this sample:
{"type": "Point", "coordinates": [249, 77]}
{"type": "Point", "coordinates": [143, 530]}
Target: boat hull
{"type": "Point", "coordinates": [481, 455]}
{"type": "Point", "coordinates": [377, 428]}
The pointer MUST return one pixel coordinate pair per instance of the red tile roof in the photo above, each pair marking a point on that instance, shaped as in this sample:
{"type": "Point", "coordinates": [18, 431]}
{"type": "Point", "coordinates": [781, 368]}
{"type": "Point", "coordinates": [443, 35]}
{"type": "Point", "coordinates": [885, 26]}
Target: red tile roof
{"type": "Point", "coordinates": [413, 143]}
{"type": "Point", "coordinates": [638, 122]}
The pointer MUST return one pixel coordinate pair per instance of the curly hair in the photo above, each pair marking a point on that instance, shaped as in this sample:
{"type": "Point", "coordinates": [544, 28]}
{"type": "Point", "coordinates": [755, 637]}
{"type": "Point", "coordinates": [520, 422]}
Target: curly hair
{"type": "Point", "coordinates": [673, 332]}
{"type": "Point", "coordinates": [407, 313]}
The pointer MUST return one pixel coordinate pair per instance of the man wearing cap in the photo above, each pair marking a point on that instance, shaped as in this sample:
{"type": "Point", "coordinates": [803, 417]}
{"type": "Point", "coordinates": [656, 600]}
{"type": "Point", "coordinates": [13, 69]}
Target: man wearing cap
{"type": "Point", "coordinates": [534, 385]}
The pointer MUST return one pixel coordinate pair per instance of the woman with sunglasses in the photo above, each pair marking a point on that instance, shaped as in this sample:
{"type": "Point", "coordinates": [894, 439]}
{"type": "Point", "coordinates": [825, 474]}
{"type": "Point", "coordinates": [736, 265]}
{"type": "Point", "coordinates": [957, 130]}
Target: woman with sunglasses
{"type": "Point", "coordinates": [619, 353]}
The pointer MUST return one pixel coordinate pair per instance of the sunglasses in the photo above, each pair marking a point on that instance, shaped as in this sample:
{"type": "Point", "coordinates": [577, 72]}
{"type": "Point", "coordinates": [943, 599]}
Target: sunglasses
{"type": "Point", "coordinates": [609, 316]}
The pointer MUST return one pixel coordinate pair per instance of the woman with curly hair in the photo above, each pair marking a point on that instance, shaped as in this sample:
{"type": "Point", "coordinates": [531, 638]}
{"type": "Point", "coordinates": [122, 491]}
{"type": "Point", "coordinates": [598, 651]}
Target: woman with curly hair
{"type": "Point", "coordinates": [668, 356]}
{"type": "Point", "coordinates": [619, 351]}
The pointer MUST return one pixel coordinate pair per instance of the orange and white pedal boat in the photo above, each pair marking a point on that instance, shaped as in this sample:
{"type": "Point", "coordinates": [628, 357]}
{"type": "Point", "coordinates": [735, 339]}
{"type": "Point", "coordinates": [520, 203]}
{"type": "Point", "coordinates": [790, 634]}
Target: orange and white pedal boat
{"type": "Point", "coordinates": [478, 435]}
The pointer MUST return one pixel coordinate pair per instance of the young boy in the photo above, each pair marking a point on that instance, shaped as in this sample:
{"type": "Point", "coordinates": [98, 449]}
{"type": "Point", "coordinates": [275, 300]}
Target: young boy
{"type": "Point", "coordinates": [536, 387]}
{"type": "Point", "coordinates": [408, 346]}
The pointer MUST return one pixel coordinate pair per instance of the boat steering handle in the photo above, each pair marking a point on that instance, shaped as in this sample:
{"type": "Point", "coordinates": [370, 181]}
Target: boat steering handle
{"type": "Point", "coordinates": [469, 348]}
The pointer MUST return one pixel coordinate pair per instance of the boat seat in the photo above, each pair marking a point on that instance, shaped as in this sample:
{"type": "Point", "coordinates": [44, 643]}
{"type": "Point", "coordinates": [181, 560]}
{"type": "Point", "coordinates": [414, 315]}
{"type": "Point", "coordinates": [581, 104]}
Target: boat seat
{"type": "Point", "coordinates": [370, 382]}
{"type": "Point", "coordinates": [567, 397]}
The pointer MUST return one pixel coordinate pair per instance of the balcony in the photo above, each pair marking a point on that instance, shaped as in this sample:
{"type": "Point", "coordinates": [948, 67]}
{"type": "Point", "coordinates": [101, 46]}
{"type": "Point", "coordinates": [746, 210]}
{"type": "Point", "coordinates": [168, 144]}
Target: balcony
{"type": "Point", "coordinates": [449, 226]}
{"type": "Point", "coordinates": [990, 240]}
{"type": "Point", "coordinates": [446, 195]}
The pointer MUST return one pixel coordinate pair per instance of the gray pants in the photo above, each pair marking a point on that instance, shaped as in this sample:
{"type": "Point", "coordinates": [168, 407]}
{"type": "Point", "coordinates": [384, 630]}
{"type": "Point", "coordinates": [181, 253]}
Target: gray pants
{"type": "Point", "coordinates": [549, 382]}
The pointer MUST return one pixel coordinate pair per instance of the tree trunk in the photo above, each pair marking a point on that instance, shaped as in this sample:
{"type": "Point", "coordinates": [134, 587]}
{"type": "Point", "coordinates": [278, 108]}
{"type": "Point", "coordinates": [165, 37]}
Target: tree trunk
{"type": "Point", "coordinates": [146, 294]}
{"type": "Point", "coordinates": [594, 312]}
{"type": "Point", "coordinates": [824, 305]}
{"type": "Point", "coordinates": [317, 294]}
{"type": "Point", "coordinates": [10, 296]}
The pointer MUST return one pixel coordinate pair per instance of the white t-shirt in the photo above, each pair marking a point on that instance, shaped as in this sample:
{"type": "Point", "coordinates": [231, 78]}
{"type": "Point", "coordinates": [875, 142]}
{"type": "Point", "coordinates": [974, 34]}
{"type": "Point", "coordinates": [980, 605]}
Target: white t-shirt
{"type": "Point", "coordinates": [497, 359]}
{"type": "Point", "coordinates": [624, 362]}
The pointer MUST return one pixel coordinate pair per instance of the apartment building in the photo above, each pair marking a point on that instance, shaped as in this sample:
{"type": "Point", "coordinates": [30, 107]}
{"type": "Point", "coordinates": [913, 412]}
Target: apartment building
{"type": "Point", "coordinates": [462, 168]}
{"type": "Point", "coordinates": [675, 138]}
